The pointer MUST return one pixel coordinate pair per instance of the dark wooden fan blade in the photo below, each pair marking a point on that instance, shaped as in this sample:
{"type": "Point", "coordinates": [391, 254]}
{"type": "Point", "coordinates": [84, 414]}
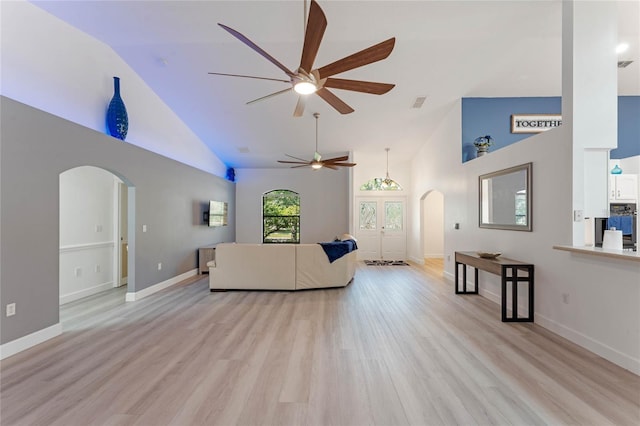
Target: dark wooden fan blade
{"type": "Point", "coordinates": [364, 57]}
{"type": "Point", "coordinates": [344, 164]}
{"type": "Point", "coordinates": [297, 158]}
{"type": "Point", "coordinates": [299, 106]}
{"type": "Point", "coordinates": [296, 167]}
{"type": "Point", "coordinates": [334, 101]}
{"type": "Point", "coordinates": [270, 95]}
{"type": "Point", "coordinates": [316, 24]}
{"type": "Point", "coordinates": [256, 48]}
{"type": "Point", "coordinates": [293, 162]}
{"type": "Point", "coordinates": [333, 160]}
{"type": "Point", "coordinates": [251, 76]}
{"type": "Point", "coordinates": [329, 166]}
{"type": "Point", "coordinates": [359, 86]}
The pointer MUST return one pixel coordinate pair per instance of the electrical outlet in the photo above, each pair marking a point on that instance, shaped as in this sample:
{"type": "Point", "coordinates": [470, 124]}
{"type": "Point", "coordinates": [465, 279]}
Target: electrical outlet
{"type": "Point", "coordinates": [97, 268]}
{"type": "Point", "coordinates": [159, 266]}
{"type": "Point", "coordinates": [565, 298]}
{"type": "Point", "coordinates": [77, 272]}
{"type": "Point", "coordinates": [11, 309]}
{"type": "Point", "coordinates": [144, 228]}
{"type": "Point", "coordinates": [98, 228]}
{"type": "Point", "coordinates": [448, 258]}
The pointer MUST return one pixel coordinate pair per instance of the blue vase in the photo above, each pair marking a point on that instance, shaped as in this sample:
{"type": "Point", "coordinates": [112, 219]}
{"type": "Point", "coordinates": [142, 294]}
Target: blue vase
{"type": "Point", "coordinates": [231, 174]}
{"type": "Point", "coordinates": [616, 170]}
{"type": "Point", "coordinates": [117, 119]}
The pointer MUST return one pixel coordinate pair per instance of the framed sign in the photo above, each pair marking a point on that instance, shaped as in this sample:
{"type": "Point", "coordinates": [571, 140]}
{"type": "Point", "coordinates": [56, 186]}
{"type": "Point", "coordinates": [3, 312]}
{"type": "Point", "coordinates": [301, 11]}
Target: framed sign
{"type": "Point", "coordinates": [534, 123]}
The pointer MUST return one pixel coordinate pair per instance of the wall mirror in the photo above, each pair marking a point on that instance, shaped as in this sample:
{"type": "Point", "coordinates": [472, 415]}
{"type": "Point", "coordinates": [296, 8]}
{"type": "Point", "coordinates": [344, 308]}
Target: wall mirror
{"type": "Point", "coordinates": [505, 199]}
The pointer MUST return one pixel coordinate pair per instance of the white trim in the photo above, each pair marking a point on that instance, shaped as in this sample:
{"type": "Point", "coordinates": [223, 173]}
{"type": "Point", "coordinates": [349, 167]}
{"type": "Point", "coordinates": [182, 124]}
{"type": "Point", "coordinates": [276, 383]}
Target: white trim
{"type": "Point", "coordinates": [599, 348]}
{"type": "Point", "coordinates": [434, 256]}
{"type": "Point", "coordinates": [416, 260]}
{"type": "Point", "coordinates": [86, 246]}
{"type": "Point", "coordinates": [116, 232]}
{"type": "Point", "coordinates": [133, 296]}
{"type": "Point", "coordinates": [448, 276]}
{"type": "Point", "coordinates": [70, 297]}
{"type": "Point", "coordinates": [29, 341]}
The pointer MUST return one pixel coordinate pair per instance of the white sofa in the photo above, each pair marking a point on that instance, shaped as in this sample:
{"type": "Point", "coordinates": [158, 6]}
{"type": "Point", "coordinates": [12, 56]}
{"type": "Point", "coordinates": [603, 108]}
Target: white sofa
{"type": "Point", "coordinates": [277, 267]}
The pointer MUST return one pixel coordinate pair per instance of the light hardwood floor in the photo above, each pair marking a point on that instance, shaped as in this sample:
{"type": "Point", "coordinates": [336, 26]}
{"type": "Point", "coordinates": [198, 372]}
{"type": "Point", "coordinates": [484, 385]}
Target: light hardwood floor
{"type": "Point", "coordinates": [395, 347]}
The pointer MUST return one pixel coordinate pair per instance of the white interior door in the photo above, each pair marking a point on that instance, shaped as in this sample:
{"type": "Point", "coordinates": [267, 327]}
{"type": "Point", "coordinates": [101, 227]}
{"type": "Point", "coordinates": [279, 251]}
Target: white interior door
{"type": "Point", "coordinates": [393, 238]}
{"type": "Point", "coordinates": [381, 228]}
{"type": "Point", "coordinates": [368, 229]}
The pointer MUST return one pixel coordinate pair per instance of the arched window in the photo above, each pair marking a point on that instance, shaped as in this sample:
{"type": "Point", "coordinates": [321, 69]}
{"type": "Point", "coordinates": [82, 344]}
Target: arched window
{"type": "Point", "coordinates": [281, 217]}
{"type": "Point", "coordinates": [381, 184]}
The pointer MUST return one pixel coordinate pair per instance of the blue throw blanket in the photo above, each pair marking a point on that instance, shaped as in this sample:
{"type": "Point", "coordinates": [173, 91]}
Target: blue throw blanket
{"type": "Point", "coordinates": [335, 250]}
{"type": "Point", "coordinates": [621, 223]}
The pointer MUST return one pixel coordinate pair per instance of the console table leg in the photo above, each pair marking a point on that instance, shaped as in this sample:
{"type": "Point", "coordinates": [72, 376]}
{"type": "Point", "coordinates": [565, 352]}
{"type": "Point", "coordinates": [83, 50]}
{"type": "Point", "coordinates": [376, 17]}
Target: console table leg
{"type": "Point", "coordinates": [503, 305]}
{"type": "Point", "coordinates": [514, 292]}
{"type": "Point", "coordinates": [531, 292]}
{"type": "Point", "coordinates": [476, 280]}
{"type": "Point", "coordinates": [464, 278]}
{"type": "Point", "coordinates": [455, 279]}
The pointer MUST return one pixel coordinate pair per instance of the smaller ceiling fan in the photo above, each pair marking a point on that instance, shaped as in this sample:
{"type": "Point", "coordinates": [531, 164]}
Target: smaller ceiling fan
{"type": "Point", "coordinates": [317, 162]}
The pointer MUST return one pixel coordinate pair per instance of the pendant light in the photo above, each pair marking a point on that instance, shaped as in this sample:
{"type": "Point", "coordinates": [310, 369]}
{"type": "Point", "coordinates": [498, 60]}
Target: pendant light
{"type": "Point", "coordinates": [382, 184]}
{"type": "Point", "coordinates": [388, 184]}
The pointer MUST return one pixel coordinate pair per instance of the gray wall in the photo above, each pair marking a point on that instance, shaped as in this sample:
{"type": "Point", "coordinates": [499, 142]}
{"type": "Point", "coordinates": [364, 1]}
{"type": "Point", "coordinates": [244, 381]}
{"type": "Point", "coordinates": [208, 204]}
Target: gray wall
{"type": "Point", "coordinates": [324, 201]}
{"type": "Point", "coordinates": [169, 198]}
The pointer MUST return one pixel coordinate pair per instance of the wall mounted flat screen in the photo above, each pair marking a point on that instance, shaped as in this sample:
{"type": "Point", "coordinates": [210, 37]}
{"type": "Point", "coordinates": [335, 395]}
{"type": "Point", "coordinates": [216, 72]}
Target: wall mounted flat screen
{"type": "Point", "coordinates": [218, 213]}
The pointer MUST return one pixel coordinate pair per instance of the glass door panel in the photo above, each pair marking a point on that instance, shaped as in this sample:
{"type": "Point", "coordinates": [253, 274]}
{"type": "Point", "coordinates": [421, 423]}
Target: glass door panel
{"type": "Point", "coordinates": [393, 215]}
{"type": "Point", "coordinates": [368, 215]}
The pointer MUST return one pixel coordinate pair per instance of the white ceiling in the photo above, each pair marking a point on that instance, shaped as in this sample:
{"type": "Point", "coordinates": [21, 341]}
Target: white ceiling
{"type": "Point", "coordinates": [444, 50]}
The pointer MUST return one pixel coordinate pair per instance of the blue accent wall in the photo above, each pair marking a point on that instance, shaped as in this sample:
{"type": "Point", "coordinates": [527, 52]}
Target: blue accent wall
{"type": "Point", "coordinates": [492, 116]}
{"type": "Point", "coordinates": [628, 128]}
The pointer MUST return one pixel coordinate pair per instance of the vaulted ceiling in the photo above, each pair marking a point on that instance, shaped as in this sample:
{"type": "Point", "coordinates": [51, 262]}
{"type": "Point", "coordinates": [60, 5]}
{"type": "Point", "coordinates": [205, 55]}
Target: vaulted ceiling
{"type": "Point", "coordinates": [444, 50]}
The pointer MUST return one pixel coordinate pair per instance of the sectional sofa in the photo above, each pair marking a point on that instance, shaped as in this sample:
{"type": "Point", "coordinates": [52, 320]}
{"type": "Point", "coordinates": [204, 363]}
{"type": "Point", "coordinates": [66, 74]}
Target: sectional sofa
{"type": "Point", "coordinates": [278, 267]}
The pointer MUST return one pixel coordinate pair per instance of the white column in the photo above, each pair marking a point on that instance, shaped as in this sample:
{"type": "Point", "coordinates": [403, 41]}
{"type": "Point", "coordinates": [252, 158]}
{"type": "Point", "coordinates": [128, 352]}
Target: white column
{"type": "Point", "coordinates": [589, 102]}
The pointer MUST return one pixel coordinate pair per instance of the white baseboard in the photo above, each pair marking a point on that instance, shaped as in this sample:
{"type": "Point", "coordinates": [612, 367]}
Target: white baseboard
{"type": "Point", "coordinates": [416, 260]}
{"type": "Point", "coordinates": [30, 340]}
{"type": "Point", "coordinates": [85, 292]}
{"type": "Point", "coordinates": [448, 276]}
{"type": "Point", "coordinates": [598, 348]}
{"type": "Point", "coordinates": [434, 256]}
{"type": "Point", "coordinates": [137, 295]}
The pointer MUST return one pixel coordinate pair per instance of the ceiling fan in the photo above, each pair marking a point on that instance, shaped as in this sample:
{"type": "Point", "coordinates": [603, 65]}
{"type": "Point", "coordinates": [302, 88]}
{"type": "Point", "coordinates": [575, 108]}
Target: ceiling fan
{"type": "Point", "coordinates": [306, 80]}
{"type": "Point", "coordinates": [317, 162]}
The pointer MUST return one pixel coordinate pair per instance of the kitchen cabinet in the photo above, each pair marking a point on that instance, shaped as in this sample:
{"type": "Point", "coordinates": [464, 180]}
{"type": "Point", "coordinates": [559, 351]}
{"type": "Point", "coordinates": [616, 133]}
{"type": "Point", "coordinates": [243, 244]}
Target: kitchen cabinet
{"type": "Point", "coordinates": [623, 188]}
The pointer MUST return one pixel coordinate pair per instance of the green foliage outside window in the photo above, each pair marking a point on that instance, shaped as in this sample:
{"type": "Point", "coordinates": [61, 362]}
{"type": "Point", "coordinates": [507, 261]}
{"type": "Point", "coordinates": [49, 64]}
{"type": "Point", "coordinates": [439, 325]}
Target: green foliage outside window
{"type": "Point", "coordinates": [281, 217]}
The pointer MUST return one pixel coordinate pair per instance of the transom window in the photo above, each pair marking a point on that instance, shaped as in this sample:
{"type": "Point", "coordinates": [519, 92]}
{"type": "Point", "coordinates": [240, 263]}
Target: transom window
{"type": "Point", "coordinates": [281, 217]}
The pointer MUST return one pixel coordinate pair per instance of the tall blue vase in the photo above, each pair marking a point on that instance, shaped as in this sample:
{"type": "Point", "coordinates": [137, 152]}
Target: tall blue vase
{"type": "Point", "coordinates": [117, 119]}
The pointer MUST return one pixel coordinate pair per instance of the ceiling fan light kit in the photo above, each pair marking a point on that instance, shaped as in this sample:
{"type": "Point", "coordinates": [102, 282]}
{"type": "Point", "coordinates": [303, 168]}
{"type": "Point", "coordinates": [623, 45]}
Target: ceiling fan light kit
{"type": "Point", "coordinates": [305, 88]}
{"type": "Point", "coordinates": [318, 80]}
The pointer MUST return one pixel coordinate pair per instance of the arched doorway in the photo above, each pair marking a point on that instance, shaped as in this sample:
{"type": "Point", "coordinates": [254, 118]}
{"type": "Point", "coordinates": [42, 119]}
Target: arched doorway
{"type": "Point", "coordinates": [96, 233]}
{"type": "Point", "coordinates": [432, 230]}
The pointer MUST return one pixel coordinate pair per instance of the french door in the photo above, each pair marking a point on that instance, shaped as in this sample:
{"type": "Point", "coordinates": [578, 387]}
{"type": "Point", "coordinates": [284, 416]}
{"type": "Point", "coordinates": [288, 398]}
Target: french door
{"type": "Point", "coordinates": [381, 228]}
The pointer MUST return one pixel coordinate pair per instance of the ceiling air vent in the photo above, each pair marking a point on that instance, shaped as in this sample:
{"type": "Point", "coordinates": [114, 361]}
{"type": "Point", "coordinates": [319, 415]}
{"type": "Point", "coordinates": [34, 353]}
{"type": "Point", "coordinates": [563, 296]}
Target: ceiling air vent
{"type": "Point", "coordinates": [624, 64]}
{"type": "Point", "coordinates": [418, 102]}
{"type": "Point", "coordinates": [243, 150]}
